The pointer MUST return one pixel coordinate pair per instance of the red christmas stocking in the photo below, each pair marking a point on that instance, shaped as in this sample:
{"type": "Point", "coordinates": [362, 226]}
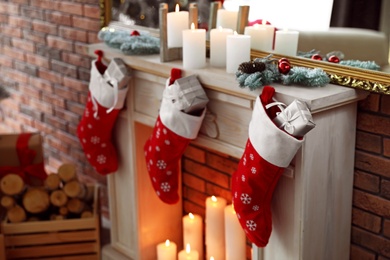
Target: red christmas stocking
{"type": "Point", "coordinates": [268, 151]}
{"type": "Point", "coordinates": [94, 130]}
{"type": "Point", "coordinates": [172, 132]}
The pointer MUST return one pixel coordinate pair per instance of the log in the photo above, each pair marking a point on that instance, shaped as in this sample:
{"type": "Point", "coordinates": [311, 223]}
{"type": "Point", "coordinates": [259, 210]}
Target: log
{"type": "Point", "coordinates": [75, 189]}
{"type": "Point", "coordinates": [75, 206]}
{"type": "Point", "coordinates": [36, 200]}
{"type": "Point", "coordinates": [7, 202]}
{"type": "Point", "coordinates": [12, 184]}
{"type": "Point", "coordinates": [58, 198]}
{"type": "Point", "coordinates": [16, 214]}
{"type": "Point", "coordinates": [86, 214]}
{"type": "Point", "coordinates": [52, 182]}
{"type": "Point", "coordinates": [63, 211]}
{"type": "Point", "coordinates": [67, 172]}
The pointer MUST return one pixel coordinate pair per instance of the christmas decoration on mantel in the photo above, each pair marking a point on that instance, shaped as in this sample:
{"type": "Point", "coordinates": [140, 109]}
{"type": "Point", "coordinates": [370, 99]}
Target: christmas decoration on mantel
{"type": "Point", "coordinates": [264, 71]}
{"type": "Point", "coordinates": [338, 57]}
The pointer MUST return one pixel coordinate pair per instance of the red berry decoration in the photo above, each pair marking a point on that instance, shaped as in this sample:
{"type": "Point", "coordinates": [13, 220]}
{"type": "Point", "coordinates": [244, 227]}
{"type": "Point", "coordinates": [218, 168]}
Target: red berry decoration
{"type": "Point", "coordinates": [135, 33]}
{"type": "Point", "coordinates": [284, 67]}
{"type": "Point", "coordinates": [334, 59]}
{"type": "Point", "coordinates": [316, 57]}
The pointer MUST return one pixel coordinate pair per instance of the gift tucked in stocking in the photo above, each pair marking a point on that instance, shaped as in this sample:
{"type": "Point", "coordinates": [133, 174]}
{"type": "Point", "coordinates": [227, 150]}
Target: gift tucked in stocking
{"type": "Point", "coordinates": [268, 151]}
{"type": "Point", "coordinates": [173, 131]}
{"type": "Point", "coordinates": [105, 99]}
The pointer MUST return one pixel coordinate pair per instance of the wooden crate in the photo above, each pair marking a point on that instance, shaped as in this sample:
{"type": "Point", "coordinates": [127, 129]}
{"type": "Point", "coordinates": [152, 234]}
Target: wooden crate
{"type": "Point", "coordinates": [70, 239]}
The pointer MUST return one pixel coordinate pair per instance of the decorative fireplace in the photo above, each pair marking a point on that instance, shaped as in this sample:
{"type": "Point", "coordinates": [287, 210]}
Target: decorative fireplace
{"type": "Point", "coordinates": [312, 203]}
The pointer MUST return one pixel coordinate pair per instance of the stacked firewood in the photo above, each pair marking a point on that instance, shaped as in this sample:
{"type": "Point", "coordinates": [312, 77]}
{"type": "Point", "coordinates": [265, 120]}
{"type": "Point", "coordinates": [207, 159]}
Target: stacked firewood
{"type": "Point", "coordinates": [62, 196]}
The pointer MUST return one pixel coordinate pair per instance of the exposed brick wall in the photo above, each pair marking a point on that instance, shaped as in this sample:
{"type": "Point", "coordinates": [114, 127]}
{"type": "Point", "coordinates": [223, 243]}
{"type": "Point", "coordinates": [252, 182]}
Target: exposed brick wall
{"type": "Point", "coordinates": [43, 64]}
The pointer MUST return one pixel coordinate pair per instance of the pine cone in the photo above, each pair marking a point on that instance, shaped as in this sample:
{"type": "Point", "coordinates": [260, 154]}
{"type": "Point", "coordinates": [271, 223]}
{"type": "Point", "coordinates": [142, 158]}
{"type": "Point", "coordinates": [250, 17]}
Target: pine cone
{"type": "Point", "coordinates": [251, 67]}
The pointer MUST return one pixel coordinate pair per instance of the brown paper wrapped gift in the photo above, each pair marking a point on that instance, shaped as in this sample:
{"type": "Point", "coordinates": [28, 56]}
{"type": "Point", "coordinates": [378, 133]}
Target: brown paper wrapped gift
{"type": "Point", "coordinates": [23, 154]}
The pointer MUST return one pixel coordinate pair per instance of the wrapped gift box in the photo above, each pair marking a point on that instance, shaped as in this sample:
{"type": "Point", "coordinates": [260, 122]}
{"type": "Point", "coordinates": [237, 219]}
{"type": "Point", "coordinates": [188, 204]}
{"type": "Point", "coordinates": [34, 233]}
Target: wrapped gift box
{"type": "Point", "coordinates": [190, 93]}
{"type": "Point", "coordinates": [23, 154]}
{"type": "Point", "coordinates": [118, 71]}
{"type": "Point", "coordinates": [295, 119]}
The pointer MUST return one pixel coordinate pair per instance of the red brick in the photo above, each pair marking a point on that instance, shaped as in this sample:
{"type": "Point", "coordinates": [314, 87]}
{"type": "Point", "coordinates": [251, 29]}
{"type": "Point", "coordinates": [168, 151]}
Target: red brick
{"type": "Point", "coordinates": [42, 84]}
{"type": "Point", "coordinates": [372, 163]}
{"type": "Point", "coordinates": [366, 181]}
{"type": "Point", "coordinates": [40, 105]}
{"type": "Point", "coordinates": [373, 123]}
{"type": "Point", "coordinates": [16, 76]}
{"type": "Point", "coordinates": [81, 48]}
{"type": "Point", "coordinates": [75, 84]}
{"type": "Point", "coordinates": [11, 31]}
{"type": "Point", "coordinates": [386, 147]}
{"type": "Point", "coordinates": [9, 8]}
{"type": "Point", "coordinates": [44, 27]}
{"type": "Point", "coordinates": [224, 164]}
{"type": "Point", "coordinates": [23, 45]}
{"type": "Point", "coordinates": [92, 37]}
{"type": "Point", "coordinates": [72, 8]}
{"type": "Point", "coordinates": [212, 189]}
{"type": "Point", "coordinates": [73, 34]}
{"type": "Point", "coordinates": [55, 122]}
{"type": "Point", "coordinates": [19, 22]}
{"type": "Point", "coordinates": [194, 182]}
{"type": "Point", "coordinates": [92, 11]}
{"type": "Point", "coordinates": [371, 241]}
{"type": "Point", "coordinates": [14, 53]}
{"type": "Point", "coordinates": [195, 153]}
{"type": "Point", "coordinates": [5, 61]}
{"type": "Point", "coordinates": [59, 43]}
{"type": "Point", "coordinates": [371, 203]}
{"type": "Point", "coordinates": [385, 104]}
{"type": "Point", "coordinates": [199, 198]}
{"type": "Point", "coordinates": [190, 207]}
{"type": "Point", "coordinates": [3, 18]}
{"type": "Point", "coordinates": [358, 253]}
{"type": "Point", "coordinates": [67, 138]}
{"type": "Point", "coordinates": [59, 18]}
{"type": "Point", "coordinates": [371, 103]}
{"type": "Point", "coordinates": [68, 116]}
{"type": "Point", "coordinates": [34, 36]}
{"type": "Point", "coordinates": [386, 228]}
{"type": "Point", "coordinates": [75, 107]}
{"type": "Point", "coordinates": [368, 142]}
{"type": "Point", "coordinates": [54, 100]}
{"type": "Point", "coordinates": [29, 91]}
{"type": "Point", "coordinates": [86, 23]}
{"type": "Point", "coordinates": [385, 188]}
{"type": "Point", "coordinates": [66, 93]}
{"type": "Point", "coordinates": [25, 119]}
{"type": "Point", "coordinates": [38, 60]}
{"type": "Point", "coordinates": [76, 59]}
{"type": "Point", "coordinates": [50, 76]}
{"type": "Point", "coordinates": [45, 128]}
{"type": "Point", "coordinates": [366, 220]}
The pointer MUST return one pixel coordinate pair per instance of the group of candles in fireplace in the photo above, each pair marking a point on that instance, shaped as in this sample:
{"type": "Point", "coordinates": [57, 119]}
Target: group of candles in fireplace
{"type": "Point", "coordinates": [224, 237]}
{"type": "Point", "coordinates": [227, 48]}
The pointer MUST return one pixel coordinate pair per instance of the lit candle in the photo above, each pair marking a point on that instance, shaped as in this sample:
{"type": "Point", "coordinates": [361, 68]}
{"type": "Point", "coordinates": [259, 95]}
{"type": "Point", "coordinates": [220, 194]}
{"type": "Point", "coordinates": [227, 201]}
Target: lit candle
{"type": "Point", "coordinates": [215, 227]}
{"type": "Point", "coordinates": [286, 42]}
{"type": "Point", "coordinates": [194, 48]}
{"type": "Point", "coordinates": [176, 22]}
{"type": "Point", "coordinates": [227, 19]}
{"type": "Point", "coordinates": [218, 46]}
{"type": "Point", "coordinates": [262, 36]}
{"type": "Point", "coordinates": [235, 239]}
{"type": "Point", "coordinates": [238, 50]}
{"type": "Point", "coordinates": [192, 232]}
{"type": "Point", "coordinates": [188, 254]}
{"type": "Point", "coordinates": [166, 250]}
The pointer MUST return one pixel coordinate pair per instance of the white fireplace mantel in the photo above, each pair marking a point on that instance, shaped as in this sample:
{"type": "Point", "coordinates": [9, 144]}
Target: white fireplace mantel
{"type": "Point", "coordinates": [313, 200]}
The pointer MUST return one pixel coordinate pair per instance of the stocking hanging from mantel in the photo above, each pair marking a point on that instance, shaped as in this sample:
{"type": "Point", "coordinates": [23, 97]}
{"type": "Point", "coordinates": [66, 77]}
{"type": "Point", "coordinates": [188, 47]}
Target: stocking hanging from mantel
{"type": "Point", "coordinates": [274, 138]}
{"type": "Point", "coordinates": [181, 114]}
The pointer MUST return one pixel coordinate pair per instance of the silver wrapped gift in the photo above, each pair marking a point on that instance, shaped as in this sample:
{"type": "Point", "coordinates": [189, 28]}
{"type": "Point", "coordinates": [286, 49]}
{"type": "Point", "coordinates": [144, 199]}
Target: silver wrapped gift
{"type": "Point", "coordinates": [295, 119]}
{"type": "Point", "coordinates": [119, 72]}
{"type": "Point", "coordinates": [190, 94]}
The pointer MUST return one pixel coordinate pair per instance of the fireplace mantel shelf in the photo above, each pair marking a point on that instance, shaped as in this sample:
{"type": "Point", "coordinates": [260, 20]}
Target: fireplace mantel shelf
{"type": "Point", "coordinates": [312, 203]}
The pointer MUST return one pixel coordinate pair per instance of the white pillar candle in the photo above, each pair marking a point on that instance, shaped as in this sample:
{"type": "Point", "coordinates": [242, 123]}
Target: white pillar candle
{"type": "Point", "coordinates": [238, 50]}
{"type": "Point", "coordinates": [218, 46]}
{"type": "Point", "coordinates": [286, 42]}
{"type": "Point", "coordinates": [262, 36]}
{"type": "Point", "coordinates": [166, 250]}
{"type": "Point", "coordinates": [227, 19]}
{"type": "Point", "coordinates": [188, 254]}
{"type": "Point", "coordinates": [194, 48]}
{"type": "Point", "coordinates": [215, 228]}
{"type": "Point", "coordinates": [176, 22]}
{"type": "Point", "coordinates": [193, 232]}
{"type": "Point", "coordinates": [235, 239]}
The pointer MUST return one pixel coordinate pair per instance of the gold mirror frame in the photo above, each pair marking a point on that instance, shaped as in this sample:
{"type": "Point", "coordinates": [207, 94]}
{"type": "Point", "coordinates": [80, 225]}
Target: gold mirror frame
{"type": "Point", "coordinates": [372, 81]}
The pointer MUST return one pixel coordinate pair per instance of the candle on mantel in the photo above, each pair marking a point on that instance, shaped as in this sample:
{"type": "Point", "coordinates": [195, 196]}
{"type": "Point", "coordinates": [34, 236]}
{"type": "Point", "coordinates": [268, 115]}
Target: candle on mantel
{"type": "Point", "coordinates": [218, 46]}
{"type": "Point", "coordinates": [176, 22]}
{"type": "Point", "coordinates": [192, 232]}
{"type": "Point", "coordinates": [166, 250]}
{"type": "Point", "coordinates": [188, 254]}
{"type": "Point", "coordinates": [227, 19]}
{"type": "Point", "coordinates": [215, 227]}
{"type": "Point", "coordinates": [238, 50]}
{"type": "Point", "coordinates": [286, 42]}
{"type": "Point", "coordinates": [194, 48]}
{"type": "Point", "coordinates": [235, 239]}
{"type": "Point", "coordinates": [262, 36]}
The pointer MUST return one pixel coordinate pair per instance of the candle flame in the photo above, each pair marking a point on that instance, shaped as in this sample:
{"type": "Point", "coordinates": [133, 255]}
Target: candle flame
{"type": "Point", "coordinates": [167, 242]}
{"type": "Point", "coordinates": [235, 33]}
{"type": "Point", "coordinates": [191, 216]}
{"type": "Point", "coordinates": [177, 9]}
{"type": "Point", "coordinates": [213, 198]}
{"type": "Point", "coordinates": [188, 248]}
{"type": "Point", "coordinates": [220, 28]}
{"type": "Point", "coordinates": [285, 29]}
{"type": "Point", "coordinates": [212, 258]}
{"type": "Point", "coordinates": [192, 26]}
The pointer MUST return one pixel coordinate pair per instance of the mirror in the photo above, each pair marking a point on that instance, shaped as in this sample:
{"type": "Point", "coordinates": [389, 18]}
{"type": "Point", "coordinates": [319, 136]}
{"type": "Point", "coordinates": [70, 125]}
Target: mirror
{"type": "Point", "coordinates": [143, 15]}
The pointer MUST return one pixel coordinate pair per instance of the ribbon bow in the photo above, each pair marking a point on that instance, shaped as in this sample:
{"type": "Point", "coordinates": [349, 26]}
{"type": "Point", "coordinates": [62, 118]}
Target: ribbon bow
{"type": "Point", "coordinates": [26, 157]}
{"type": "Point", "coordinates": [287, 118]}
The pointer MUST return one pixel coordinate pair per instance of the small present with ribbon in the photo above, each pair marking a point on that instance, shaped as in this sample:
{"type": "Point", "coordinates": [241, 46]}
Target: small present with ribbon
{"type": "Point", "coordinates": [117, 73]}
{"type": "Point", "coordinates": [22, 154]}
{"type": "Point", "coordinates": [295, 119]}
{"type": "Point", "coordinates": [188, 94]}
